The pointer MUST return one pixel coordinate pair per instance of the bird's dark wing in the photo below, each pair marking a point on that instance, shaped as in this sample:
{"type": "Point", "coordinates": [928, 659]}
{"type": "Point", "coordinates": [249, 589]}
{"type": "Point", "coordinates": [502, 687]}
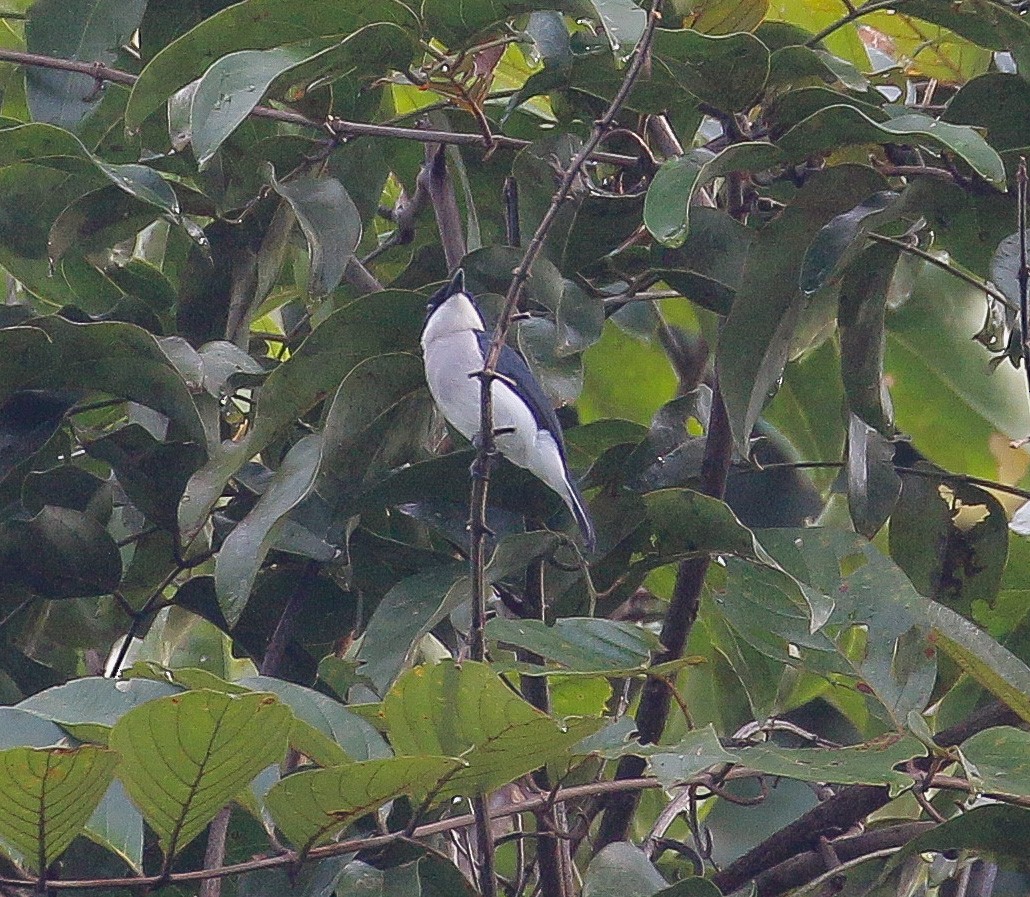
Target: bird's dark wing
{"type": "Point", "coordinates": [513, 366]}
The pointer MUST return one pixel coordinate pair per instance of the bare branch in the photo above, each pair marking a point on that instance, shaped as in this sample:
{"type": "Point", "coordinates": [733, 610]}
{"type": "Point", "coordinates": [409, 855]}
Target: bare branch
{"type": "Point", "coordinates": [436, 179]}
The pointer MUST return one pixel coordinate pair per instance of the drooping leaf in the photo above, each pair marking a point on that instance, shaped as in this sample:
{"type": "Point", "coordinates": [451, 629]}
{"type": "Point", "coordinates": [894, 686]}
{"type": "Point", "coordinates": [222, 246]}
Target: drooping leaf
{"type": "Point", "coordinates": [688, 522]}
{"type": "Point", "coordinates": [670, 197]}
{"type": "Point", "coordinates": [313, 806]}
{"type": "Point", "coordinates": [186, 756]}
{"type": "Point", "coordinates": [245, 548]}
{"type": "Point", "coordinates": [51, 793]}
{"type": "Point", "coordinates": [467, 711]}
{"type": "Point", "coordinates": [28, 419]}
{"type": "Point", "coordinates": [838, 241]}
{"type": "Point", "coordinates": [756, 339]}
{"type": "Point", "coordinates": [81, 30]}
{"type": "Point", "coordinates": [873, 486]}
{"type": "Point", "coordinates": [861, 321]}
{"type": "Point", "coordinates": [331, 224]}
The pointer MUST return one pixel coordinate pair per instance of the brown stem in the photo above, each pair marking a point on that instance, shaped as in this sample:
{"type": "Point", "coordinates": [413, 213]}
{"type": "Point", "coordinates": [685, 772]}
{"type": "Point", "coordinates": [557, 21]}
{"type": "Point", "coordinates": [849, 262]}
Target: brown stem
{"type": "Point", "coordinates": [653, 711]}
{"type": "Point", "coordinates": [440, 187]}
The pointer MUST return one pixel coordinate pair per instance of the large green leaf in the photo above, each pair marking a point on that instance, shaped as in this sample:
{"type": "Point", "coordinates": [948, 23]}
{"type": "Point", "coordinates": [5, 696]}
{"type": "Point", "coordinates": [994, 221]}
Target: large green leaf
{"type": "Point", "coordinates": [251, 25]}
{"type": "Point", "coordinates": [836, 126]}
{"type": "Point", "coordinates": [1001, 759]}
{"type": "Point", "coordinates": [82, 30]}
{"type": "Point", "coordinates": [331, 224]}
{"type": "Point", "coordinates": [622, 870]}
{"type": "Point", "coordinates": [185, 756]}
{"type": "Point", "coordinates": [312, 807]}
{"type": "Point", "coordinates": [90, 706]}
{"type": "Point", "coordinates": [894, 659]}
{"type": "Point", "coordinates": [873, 486]}
{"type": "Point", "coordinates": [60, 553]}
{"type": "Point", "coordinates": [120, 359]}
{"type": "Point", "coordinates": [373, 325]}
{"type": "Point", "coordinates": [756, 339]}
{"type": "Point", "coordinates": [581, 644]}
{"type": "Point", "coordinates": [467, 711]}
{"type": "Point", "coordinates": [992, 665]}
{"type": "Point", "coordinates": [245, 548]}
{"type": "Point", "coordinates": [684, 522]}
{"type": "Point", "coordinates": [50, 794]}
{"type": "Point", "coordinates": [349, 734]}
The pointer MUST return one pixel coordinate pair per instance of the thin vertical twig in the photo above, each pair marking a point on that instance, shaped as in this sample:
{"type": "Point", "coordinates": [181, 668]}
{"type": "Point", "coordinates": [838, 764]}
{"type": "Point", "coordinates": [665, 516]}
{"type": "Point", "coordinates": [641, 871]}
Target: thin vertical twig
{"type": "Point", "coordinates": [1024, 270]}
{"type": "Point", "coordinates": [486, 450]}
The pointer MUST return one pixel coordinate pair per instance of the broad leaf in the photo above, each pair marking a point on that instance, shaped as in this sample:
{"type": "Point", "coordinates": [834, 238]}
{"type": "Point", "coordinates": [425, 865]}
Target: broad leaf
{"type": "Point", "coordinates": [873, 486]}
{"type": "Point", "coordinates": [312, 807]}
{"type": "Point", "coordinates": [1001, 759]}
{"type": "Point", "coordinates": [756, 339]}
{"type": "Point", "coordinates": [186, 756]}
{"type": "Point", "coordinates": [580, 644]}
{"type": "Point", "coordinates": [467, 711]}
{"type": "Point", "coordinates": [246, 546]}
{"type": "Point", "coordinates": [622, 870]}
{"type": "Point", "coordinates": [51, 793]}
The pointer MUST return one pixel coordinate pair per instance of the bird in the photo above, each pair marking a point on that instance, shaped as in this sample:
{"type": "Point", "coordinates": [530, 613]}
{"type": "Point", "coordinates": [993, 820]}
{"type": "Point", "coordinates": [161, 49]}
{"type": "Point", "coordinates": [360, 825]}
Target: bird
{"type": "Point", "coordinates": [526, 429]}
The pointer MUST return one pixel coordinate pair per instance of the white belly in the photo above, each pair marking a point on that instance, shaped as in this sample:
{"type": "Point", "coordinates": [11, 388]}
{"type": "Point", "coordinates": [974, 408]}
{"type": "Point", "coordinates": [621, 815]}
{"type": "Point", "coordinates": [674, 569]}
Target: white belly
{"type": "Point", "coordinates": [450, 360]}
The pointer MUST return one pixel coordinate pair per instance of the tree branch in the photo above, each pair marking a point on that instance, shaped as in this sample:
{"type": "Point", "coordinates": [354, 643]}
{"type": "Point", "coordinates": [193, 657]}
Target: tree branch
{"type": "Point", "coordinates": [655, 697]}
{"type": "Point", "coordinates": [337, 126]}
{"type": "Point", "coordinates": [436, 179]}
{"type": "Point", "coordinates": [853, 14]}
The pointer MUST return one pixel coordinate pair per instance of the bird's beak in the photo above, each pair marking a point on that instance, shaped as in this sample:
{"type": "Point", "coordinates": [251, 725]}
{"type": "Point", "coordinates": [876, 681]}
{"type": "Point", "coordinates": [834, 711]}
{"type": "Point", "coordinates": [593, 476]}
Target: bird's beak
{"type": "Point", "coordinates": [457, 282]}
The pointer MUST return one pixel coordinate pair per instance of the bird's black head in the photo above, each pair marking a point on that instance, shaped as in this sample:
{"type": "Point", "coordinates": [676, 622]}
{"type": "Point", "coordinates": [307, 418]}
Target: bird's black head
{"type": "Point", "coordinates": [456, 285]}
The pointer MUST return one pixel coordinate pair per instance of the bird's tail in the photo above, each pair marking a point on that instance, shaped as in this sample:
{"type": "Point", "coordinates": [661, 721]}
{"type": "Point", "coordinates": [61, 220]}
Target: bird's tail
{"type": "Point", "coordinates": [574, 499]}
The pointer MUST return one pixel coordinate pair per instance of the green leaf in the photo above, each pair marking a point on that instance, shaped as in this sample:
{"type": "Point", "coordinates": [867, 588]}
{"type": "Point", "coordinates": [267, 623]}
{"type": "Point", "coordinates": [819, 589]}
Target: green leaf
{"type": "Point", "coordinates": [186, 756]}
{"type": "Point", "coordinates": [90, 706]}
{"type": "Point", "coordinates": [582, 644]}
{"type": "Point", "coordinates": [861, 322]}
{"type": "Point", "coordinates": [623, 22]}
{"type": "Point", "coordinates": [51, 793]}
{"type": "Point", "coordinates": [894, 658]}
{"type": "Point", "coordinates": [685, 522]}
{"type": "Point", "coordinates": [756, 338]}
{"type": "Point", "coordinates": [231, 88]}
{"type": "Point", "coordinates": [622, 870]}
{"type": "Point", "coordinates": [311, 807]}
{"type": "Point", "coordinates": [998, 103]}
{"type": "Point", "coordinates": [251, 25]}
{"type": "Point", "coordinates": [20, 727]}
{"type": "Point", "coordinates": [408, 610]}
{"type": "Point", "coordinates": [245, 548]}
{"type": "Point", "coordinates": [60, 553]}
{"type": "Point", "coordinates": [873, 486]}
{"type": "Point", "coordinates": [1001, 759]}
{"type": "Point", "coordinates": [725, 71]}
{"type": "Point", "coordinates": [153, 474]}
{"type": "Point", "coordinates": [999, 833]}
{"type": "Point", "coordinates": [385, 322]}
{"type": "Point", "coordinates": [467, 711]}
{"type": "Point", "coordinates": [693, 886]}
{"type": "Point", "coordinates": [995, 667]}
{"type": "Point", "coordinates": [838, 242]}
{"type": "Point", "coordinates": [693, 754]}
{"type": "Point", "coordinates": [120, 359]}
{"type": "Point", "coordinates": [871, 763]}
{"type": "Point", "coordinates": [951, 538]}
{"type": "Point", "coordinates": [351, 736]}
{"type": "Point", "coordinates": [82, 30]}
{"type": "Point", "coordinates": [331, 225]}
{"type": "Point", "coordinates": [670, 197]}
{"type": "Point", "coordinates": [836, 126]}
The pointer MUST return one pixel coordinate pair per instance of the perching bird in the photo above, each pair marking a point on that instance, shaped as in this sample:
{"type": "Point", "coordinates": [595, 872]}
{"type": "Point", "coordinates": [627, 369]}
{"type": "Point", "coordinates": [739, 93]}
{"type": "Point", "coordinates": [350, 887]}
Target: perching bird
{"type": "Point", "coordinates": [454, 347]}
